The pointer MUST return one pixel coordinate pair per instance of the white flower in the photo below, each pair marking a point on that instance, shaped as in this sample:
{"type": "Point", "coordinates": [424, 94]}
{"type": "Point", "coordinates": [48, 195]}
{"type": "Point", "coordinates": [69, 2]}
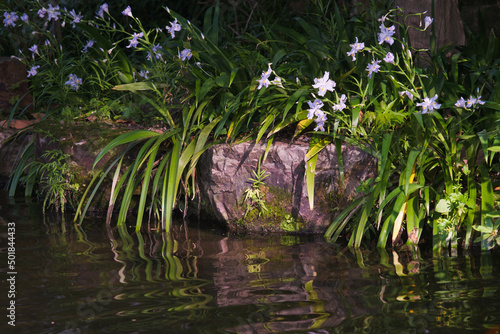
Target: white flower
{"type": "Point", "coordinates": [314, 107]}
{"type": "Point", "coordinates": [427, 21]}
{"type": "Point", "coordinates": [356, 47]}
{"type": "Point", "coordinates": [341, 105]}
{"type": "Point", "coordinates": [429, 104]}
{"type": "Point", "coordinates": [407, 93]}
{"type": "Point", "coordinates": [460, 103]}
{"type": "Point", "coordinates": [373, 67]}
{"type": "Point", "coordinates": [277, 82]}
{"type": "Point", "coordinates": [471, 101]}
{"type": "Point", "coordinates": [386, 34]}
{"type": "Point", "coordinates": [389, 58]}
{"type": "Point", "coordinates": [323, 84]}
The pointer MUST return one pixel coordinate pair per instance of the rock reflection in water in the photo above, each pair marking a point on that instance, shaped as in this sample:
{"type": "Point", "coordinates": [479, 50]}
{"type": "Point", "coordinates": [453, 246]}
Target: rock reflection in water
{"type": "Point", "coordinates": [302, 286]}
{"type": "Point", "coordinates": [112, 280]}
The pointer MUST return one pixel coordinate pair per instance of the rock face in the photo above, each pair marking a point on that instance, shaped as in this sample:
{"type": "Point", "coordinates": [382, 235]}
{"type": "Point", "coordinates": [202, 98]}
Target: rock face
{"type": "Point", "coordinates": [225, 172]}
{"type": "Point", "coordinates": [13, 84]}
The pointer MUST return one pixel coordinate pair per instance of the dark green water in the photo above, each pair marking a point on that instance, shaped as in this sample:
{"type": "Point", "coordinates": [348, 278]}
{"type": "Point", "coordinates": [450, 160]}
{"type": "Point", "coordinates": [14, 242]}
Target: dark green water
{"type": "Point", "coordinates": [100, 280]}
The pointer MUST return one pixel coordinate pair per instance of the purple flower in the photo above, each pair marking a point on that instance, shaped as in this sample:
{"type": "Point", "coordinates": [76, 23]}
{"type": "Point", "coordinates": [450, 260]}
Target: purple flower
{"type": "Point", "coordinates": [34, 49]}
{"type": "Point", "coordinates": [470, 102]}
{"type": "Point", "coordinates": [386, 34]}
{"type": "Point", "coordinates": [9, 19]}
{"type": "Point", "coordinates": [89, 44]}
{"type": "Point", "coordinates": [320, 122]}
{"type": "Point", "coordinates": [407, 93]}
{"type": "Point", "coordinates": [128, 12]}
{"type": "Point", "coordinates": [25, 17]}
{"type": "Point", "coordinates": [277, 82]}
{"type": "Point", "coordinates": [427, 21]}
{"type": "Point", "coordinates": [103, 8]}
{"type": "Point", "coordinates": [373, 67]}
{"type": "Point", "coordinates": [134, 40]}
{"type": "Point", "coordinates": [264, 79]}
{"type": "Point", "coordinates": [173, 28]}
{"type": "Point", "coordinates": [389, 58]}
{"type": "Point", "coordinates": [156, 49]}
{"type": "Point", "coordinates": [356, 47]}
{"type": "Point", "coordinates": [76, 17]}
{"type": "Point", "coordinates": [32, 72]}
{"type": "Point", "coordinates": [74, 82]}
{"type": "Point", "coordinates": [53, 13]}
{"type": "Point", "coordinates": [460, 103]}
{"type": "Point", "coordinates": [186, 53]}
{"type": "Point", "coordinates": [42, 12]}
{"type": "Point", "coordinates": [144, 74]}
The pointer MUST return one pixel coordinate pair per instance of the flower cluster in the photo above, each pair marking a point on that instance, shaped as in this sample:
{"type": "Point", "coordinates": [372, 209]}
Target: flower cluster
{"type": "Point", "coordinates": [323, 85]}
{"type": "Point", "coordinates": [156, 52]}
{"type": "Point", "coordinates": [74, 82]}
{"type": "Point", "coordinates": [469, 103]}
{"type": "Point", "coordinates": [264, 78]}
{"type": "Point", "coordinates": [52, 13]}
{"type": "Point", "coordinates": [315, 110]}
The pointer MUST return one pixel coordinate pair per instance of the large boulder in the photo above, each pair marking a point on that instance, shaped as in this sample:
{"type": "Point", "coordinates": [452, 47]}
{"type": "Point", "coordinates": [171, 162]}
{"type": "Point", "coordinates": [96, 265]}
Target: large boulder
{"type": "Point", "coordinates": [226, 170]}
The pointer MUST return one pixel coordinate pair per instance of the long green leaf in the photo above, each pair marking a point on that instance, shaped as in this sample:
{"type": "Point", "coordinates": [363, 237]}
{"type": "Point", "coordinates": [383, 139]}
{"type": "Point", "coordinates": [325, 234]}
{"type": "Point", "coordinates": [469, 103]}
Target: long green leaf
{"type": "Point", "coordinates": [318, 147]}
{"type": "Point", "coordinates": [310, 172]}
{"type": "Point", "coordinates": [124, 139]}
{"type": "Point", "coordinates": [169, 186]}
{"type": "Point", "coordinates": [145, 186]}
{"type": "Point", "coordinates": [338, 224]}
{"type": "Point", "coordinates": [487, 198]}
{"type": "Point", "coordinates": [138, 86]}
{"type": "Point", "coordinates": [133, 181]}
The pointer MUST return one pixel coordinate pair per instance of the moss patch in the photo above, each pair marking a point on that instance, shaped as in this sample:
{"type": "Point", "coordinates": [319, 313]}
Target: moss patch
{"type": "Point", "coordinates": [277, 218]}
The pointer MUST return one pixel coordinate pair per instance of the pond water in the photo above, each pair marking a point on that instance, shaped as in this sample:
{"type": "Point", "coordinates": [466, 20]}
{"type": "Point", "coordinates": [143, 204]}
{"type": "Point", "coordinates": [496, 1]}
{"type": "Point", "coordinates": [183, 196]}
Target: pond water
{"type": "Point", "coordinates": [99, 279]}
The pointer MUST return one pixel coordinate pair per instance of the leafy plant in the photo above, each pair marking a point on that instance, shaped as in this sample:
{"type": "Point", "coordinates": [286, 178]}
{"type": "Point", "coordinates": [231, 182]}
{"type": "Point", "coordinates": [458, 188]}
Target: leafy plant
{"type": "Point", "coordinates": [253, 197]}
{"type": "Point", "coordinates": [490, 231]}
{"type": "Point", "coordinates": [288, 224]}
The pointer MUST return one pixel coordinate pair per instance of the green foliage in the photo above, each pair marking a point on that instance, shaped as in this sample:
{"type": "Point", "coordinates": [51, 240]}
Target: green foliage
{"type": "Point", "coordinates": [490, 231]}
{"type": "Point", "coordinates": [289, 224]}
{"type": "Point", "coordinates": [54, 178]}
{"type": "Point", "coordinates": [253, 198]}
{"type": "Point", "coordinates": [430, 117]}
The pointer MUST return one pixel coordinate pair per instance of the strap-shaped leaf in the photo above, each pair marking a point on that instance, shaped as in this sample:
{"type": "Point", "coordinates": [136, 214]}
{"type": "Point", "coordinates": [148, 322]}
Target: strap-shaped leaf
{"type": "Point", "coordinates": [125, 139]}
